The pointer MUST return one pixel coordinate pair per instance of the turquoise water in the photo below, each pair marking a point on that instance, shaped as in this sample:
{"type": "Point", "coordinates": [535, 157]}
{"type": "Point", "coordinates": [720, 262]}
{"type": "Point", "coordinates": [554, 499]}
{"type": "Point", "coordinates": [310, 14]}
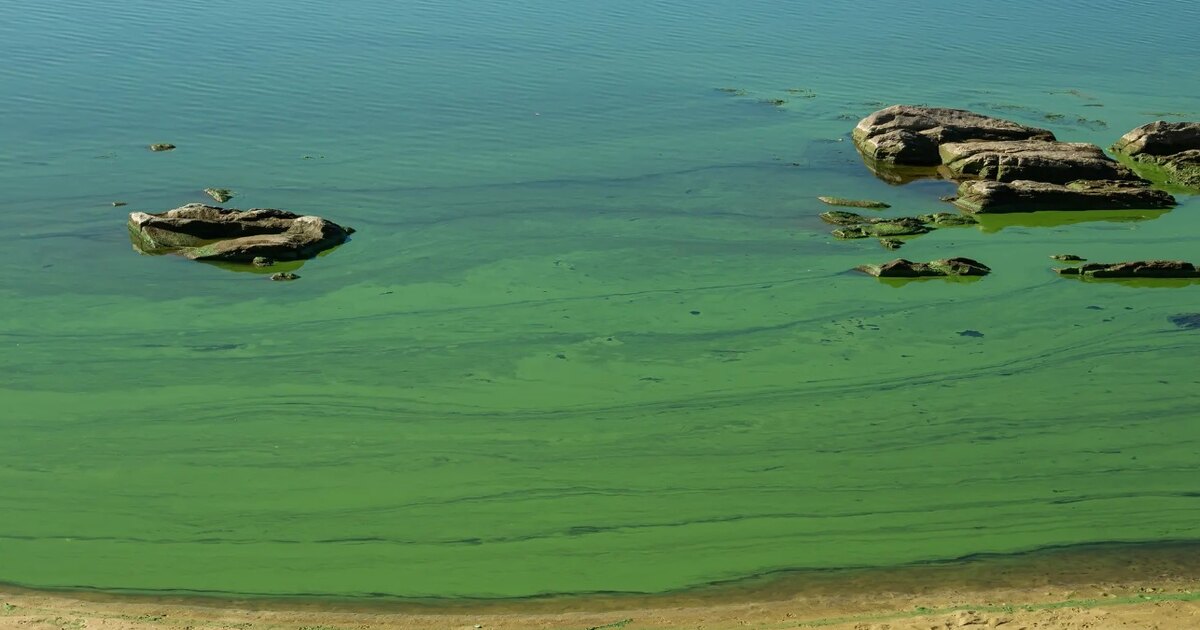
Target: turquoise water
{"type": "Point", "coordinates": [590, 335]}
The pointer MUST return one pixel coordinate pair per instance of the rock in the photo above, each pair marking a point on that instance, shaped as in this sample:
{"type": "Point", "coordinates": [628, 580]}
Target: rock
{"type": "Point", "coordinates": [969, 333]}
{"type": "Point", "coordinates": [853, 203]}
{"type": "Point", "coordinates": [773, 102]}
{"type": "Point", "coordinates": [891, 243]}
{"type": "Point", "coordinates": [220, 194]}
{"type": "Point", "coordinates": [201, 232]}
{"type": "Point", "coordinates": [1172, 147]}
{"type": "Point", "coordinates": [118, 204]}
{"type": "Point", "coordinates": [162, 146]}
{"type": "Point", "coordinates": [1186, 321]}
{"type": "Point", "coordinates": [983, 196]}
{"type": "Point", "coordinates": [1160, 138]}
{"type": "Point", "coordinates": [1068, 258]}
{"type": "Point", "coordinates": [948, 198]}
{"type": "Point", "coordinates": [905, 135]}
{"type": "Point", "coordinates": [284, 276]}
{"type": "Point", "coordinates": [905, 226]}
{"type": "Point", "coordinates": [948, 267]}
{"type": "Point", "coordinates": [262, 261]}
{"type": "Point", "coordinates": [947, 219]}
{"type": "Point", "coordinates": [1137, 269]}
{"type": "Point", "coordinates": [1036, 160]}
{"type": "Point", "coordinates": [841, 217]}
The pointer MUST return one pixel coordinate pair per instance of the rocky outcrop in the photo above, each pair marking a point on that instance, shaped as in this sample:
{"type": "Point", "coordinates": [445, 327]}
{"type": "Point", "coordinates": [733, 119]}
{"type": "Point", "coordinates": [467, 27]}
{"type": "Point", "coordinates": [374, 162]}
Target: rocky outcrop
{"type": "Point", "coordinates": [1035, 160]}
{"type": "Point", "coordinates": [1138, 269]}
{"type": "Point", "coordinates": [201, 232]}
{"type": "Point", "coordinates": [1028, 196]}
{"type": "Point", "coordinates": [948, 267]}
{"type": "Point", "coordinates": [1172, 147]}
{"type": "Point", "coordinates": [904, 135]}
{"type": "Point", "coordinates": [858, 226]}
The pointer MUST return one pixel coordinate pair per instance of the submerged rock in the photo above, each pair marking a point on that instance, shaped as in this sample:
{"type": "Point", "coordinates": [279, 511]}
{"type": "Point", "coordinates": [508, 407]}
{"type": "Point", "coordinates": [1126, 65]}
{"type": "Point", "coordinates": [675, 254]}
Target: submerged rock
{"type": "Point", "coordinates": [1186, 321]}
{"type": "Point", "coordinates": [1067, 258]}
{"type": "Point", "coordinates": [1173, 147]}
{"type": "Point", "coordinates": [841, 217]}
{"type": "Point", "coordinates": [201, 232]}
{"type": "Point", "coordinates": [284, 276]}
{"type": "Point", "coordinates": [262, 261]}
{"type": "Point", "coordinates": [1136, 269]}
{"type": "Point", "coordinates": [982, 196]}
{"type": "Point", "coordinates": [118, 204]}
{"type": "Point", "coordinates": [162, 146]}
{"type": "Point", "coordinates": [853, 203]}
{"type": "Point", "coordinates": [891, 243]}
{"type": "Point", "coordinates": [947, 267]}
{"type": "Point", "coordinates": [220, 194]}
{"type": "Point", "coordinates": [1036, 160]}
{"type": "Point", "coordinates": [904, 135]}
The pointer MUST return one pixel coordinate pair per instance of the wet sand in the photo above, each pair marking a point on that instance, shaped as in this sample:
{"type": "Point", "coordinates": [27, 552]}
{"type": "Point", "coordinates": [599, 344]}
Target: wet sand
{"type": "Point", "coordinates": [1124, 587]}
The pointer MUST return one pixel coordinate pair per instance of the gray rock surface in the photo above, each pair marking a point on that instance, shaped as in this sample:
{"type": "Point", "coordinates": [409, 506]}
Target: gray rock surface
{"type": "Point", "coordinates": [982, 196]}
{"type": "Point", "coordinates": [202, 232]}
{"type": "Point", "coordinates": [1173, 147]}
{"type": "Point", "coordinates": [1035, 160]}
{"type": "Point", "coordinates": [905, 135]}
{"type": "Point", "coordinates": [946, 267]}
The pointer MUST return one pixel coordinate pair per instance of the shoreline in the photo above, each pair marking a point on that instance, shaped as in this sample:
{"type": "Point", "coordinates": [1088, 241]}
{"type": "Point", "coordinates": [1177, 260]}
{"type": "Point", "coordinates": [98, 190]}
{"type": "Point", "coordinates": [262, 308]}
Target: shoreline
{"type": "Point", "coordinates": [1153, 586]}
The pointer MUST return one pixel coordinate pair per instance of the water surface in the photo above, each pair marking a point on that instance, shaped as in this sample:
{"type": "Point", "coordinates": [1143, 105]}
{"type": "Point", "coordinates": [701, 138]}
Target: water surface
{"type": "Point", "coordinates": [590, 335]}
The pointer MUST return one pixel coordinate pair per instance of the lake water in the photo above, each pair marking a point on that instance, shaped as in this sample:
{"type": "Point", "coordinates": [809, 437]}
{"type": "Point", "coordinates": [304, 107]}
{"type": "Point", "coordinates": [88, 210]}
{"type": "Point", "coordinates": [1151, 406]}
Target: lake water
{"type": "Point", "coordinates": [590, 335]}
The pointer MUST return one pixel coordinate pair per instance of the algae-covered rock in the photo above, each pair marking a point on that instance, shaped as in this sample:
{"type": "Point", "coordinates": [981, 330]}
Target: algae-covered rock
{"type": "Point", "coordinates": [284, 276]}
{"type": "Point", "coordinates": [162, 146]}
{"type": "Point", "coordinates": [118, 204]}
{"type": "Point", "coordinates": [841, 217]}
{"type": "Point", "coordinates": [1067, 258]}
{"type": "Point", "coordinates": [947, 267]}
{"type": "Point", "coordinates": [982, 196]}
{"type": "Point", "coordinates": [947, 219]}
{"type": "Point", "coordinates": [1172, 147]}
{"type": "Point", "coordinates": [1136, 269]}
{"type": "Point", "coordinates": [905, 226]}
{"type": "Point", "coordinates": [1035, 160]}
{"type": "Point", "coordinates": [201, 232]}
{"type": "Point", "coordinates": [220, 194]}
{"type": "Point", "coordinates": [853, 203]}
{"type": "Point", "coordinates": [891, 243]}
{"type": "Point", "coordinates": [904, 135]}
{"type": "Point", "coordinates": [262, 261]}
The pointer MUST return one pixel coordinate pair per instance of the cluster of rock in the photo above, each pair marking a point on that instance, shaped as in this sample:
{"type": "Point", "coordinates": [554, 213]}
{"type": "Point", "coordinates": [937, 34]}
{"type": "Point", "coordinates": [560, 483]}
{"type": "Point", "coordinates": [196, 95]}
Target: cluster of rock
{"type": "Point", "coordinates": [856, 226]}
{"type": "Point", "coordinates": [1002, 166]}
{"type": "Point", "coordinates": [1173, 148]}
{"type": "Point", "coordinates": [259, 236]}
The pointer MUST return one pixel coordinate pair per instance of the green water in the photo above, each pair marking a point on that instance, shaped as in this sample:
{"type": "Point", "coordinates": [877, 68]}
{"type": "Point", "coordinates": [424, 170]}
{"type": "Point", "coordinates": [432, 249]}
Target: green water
{"type": "Point", "coordinates": [590, 335]}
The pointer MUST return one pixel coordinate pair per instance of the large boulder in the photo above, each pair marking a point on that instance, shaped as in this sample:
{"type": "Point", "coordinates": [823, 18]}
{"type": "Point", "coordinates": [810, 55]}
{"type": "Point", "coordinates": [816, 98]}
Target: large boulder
{"type": "Point", "coordinates": [201, 232]}
{"type": "Point", "coordinates": [1136, 269]}
{"type": "Point", "coordinates": [947, 267]}
{"type": "Point", "coordinates": [1173, 147]}
{"type": "Point", "coordinates": [905, 135]}
{"type": "Point", "coordinates": [985, 196]}
{"type": "Point", "coordinates": [1036, 160]}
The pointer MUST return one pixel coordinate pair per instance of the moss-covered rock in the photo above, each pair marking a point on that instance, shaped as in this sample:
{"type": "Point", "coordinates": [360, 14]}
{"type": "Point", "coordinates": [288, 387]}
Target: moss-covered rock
{"type": "Point", "coordinates": [220, 194]}
{"type": "Point", "coordinates": [1136, 269]}
{"type": "Point", "coordinates": [946, 267]}
{"type": "Point", "coordinates": [1036, 160]}
{"type": "Point", "coordinates": [162, 146]}
{"type": "Point", "coordinates": [947, 219]}
{"type": "Point", "coordinates": [1067, 258]}
{"type": "Point", "coordinates": [853, 203]}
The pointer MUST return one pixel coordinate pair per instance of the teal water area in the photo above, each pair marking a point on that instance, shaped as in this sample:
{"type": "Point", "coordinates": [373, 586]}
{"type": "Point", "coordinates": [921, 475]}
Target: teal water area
{"type": "Point", "coordinates": [590, 335]}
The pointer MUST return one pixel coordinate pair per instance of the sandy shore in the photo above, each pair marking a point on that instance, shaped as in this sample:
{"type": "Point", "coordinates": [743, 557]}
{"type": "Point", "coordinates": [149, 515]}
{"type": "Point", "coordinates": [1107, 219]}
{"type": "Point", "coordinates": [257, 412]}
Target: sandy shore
{"type": "Point", "coordinates": [1122, 588]}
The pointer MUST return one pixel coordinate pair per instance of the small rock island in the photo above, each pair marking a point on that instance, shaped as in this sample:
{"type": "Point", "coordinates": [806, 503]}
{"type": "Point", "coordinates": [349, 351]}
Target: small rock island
{"type": "Point", "coordinates": [200, 232]}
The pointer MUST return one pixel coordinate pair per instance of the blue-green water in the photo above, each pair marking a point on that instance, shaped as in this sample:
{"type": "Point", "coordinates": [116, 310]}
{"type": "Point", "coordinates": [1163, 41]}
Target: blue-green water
{"type": "Point", "coordinates": [590, 335]}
